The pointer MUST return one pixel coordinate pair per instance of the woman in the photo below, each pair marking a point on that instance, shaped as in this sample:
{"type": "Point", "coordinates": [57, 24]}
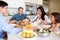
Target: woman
{"type": "Point", "coordinates": [41, 17]}
{"type": "Point", "coordinates": [55, 20]}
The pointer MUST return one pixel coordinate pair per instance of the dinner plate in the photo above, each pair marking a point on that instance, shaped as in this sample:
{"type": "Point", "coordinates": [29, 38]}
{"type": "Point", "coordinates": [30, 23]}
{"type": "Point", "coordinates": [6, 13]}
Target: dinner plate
{"type": "Point", "coordinates": [44, 26]}
{"type": "Point", "coordinates": [57, 33]}
{"type": "Point", "coordinates": [13, 25]}
{"type": "Point", "coordinates": [34, 38]}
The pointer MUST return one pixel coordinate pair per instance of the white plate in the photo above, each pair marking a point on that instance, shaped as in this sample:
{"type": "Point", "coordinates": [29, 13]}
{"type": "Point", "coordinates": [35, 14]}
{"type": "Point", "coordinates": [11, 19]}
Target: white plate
{"type": "Point", "coordinates": [13, 24]}
{"type": "Point", "coordinates": [57, 33]}
{"type": "Point", "coordinates": [44, 26]}
{"type": "Point", "coordinates": [34, 38]}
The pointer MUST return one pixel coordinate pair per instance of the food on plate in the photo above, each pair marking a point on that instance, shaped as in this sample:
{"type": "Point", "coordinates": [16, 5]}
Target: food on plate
{"type": "Point", "coordinates": [19, 24]}
{"type": "Point", "coordinates": [26, 21]}
{"type": "Point", "coordinates": [27, 34]}
{"type": "Point", "coordinates": [22, 23]}
{"type": "Point", "coordinates": [28, 26]}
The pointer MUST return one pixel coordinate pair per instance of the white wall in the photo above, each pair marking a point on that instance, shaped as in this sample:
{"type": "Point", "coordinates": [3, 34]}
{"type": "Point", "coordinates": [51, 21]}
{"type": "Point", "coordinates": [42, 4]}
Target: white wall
{"type": "Point", "coordinates": [16, 3]}
{"type": "Point", "coordinates": [54, 6]}
{"type": "Point", "coordinates": [21, 3]}
{"type": "Point", "coordinates": [35, 1]}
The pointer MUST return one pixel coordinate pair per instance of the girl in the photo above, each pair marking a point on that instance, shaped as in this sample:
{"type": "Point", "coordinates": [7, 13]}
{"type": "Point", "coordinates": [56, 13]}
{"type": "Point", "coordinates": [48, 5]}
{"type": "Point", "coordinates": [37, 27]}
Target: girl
{"type": "Point", "coordinates": [55, 20]}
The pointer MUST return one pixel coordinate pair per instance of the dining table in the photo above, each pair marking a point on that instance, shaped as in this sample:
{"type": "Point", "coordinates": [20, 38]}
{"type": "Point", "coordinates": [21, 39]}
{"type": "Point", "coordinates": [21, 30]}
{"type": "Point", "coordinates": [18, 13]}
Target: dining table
{"type": "Point", "coordinates": [52, 36]}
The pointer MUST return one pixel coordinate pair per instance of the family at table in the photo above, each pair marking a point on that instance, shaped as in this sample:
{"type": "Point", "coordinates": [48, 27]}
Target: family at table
{"type": "Point", "coordinates": [41, 17]}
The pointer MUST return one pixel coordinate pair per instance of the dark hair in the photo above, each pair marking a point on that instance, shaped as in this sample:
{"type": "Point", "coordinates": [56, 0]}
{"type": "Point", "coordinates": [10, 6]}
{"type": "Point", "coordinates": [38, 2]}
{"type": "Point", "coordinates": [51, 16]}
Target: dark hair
{"type": "Point", "coordinates": [43, 12]}
{"type": "Point", "coordinates": [57, 16]}
{"type": "Point", "coordinates": [20, 8]}
{"type": "Point", "coordinates": [3, 4]}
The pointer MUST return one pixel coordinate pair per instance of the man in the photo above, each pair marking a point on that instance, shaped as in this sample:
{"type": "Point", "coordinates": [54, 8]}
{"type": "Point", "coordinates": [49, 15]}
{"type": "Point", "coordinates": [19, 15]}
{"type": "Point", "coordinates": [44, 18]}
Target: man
{"type": "Point", "coordinates": [18, 17]}
{"type": "Point", "coordinates": [4, 26]}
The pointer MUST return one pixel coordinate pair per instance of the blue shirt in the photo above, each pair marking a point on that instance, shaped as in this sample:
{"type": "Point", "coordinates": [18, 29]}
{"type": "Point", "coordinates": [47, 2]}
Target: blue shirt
{"type": "Point", "coordinates": [4, 26]}
{"type": "Point", "coordinates": [19, 17]}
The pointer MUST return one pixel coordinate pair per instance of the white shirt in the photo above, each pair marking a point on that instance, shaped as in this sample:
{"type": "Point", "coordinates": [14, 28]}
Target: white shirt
{"type": "Point", "coordinates": [4, 26]}
{"type": "Point", "coordinates": [47, 20]}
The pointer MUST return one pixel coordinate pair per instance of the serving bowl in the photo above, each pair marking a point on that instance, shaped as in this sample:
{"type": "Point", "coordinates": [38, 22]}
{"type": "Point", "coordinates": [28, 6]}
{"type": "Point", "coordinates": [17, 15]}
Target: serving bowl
{"type": "Point", "coordinates": [43, 32]}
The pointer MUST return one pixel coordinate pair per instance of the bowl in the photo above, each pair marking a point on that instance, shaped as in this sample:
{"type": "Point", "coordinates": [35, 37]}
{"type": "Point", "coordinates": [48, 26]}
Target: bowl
{"type": "Point", "coordinates": [43, 32]}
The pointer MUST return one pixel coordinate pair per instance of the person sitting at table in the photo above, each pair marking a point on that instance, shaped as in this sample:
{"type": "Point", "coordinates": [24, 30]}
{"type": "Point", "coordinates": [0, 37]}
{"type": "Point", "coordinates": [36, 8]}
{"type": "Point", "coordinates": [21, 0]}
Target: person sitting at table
{"type": "Point", "coordinates": [19, 16]}
{"type": "Point", "coordinates": [4, 25]}
{"type": "Point", "coordinates": [55, 20]}
{"type": "Point", "coordinates": [41, 16]}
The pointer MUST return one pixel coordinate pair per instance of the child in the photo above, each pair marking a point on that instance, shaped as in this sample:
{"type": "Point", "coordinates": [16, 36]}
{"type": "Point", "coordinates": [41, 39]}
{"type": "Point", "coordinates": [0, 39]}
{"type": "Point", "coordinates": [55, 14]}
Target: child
{"type": "Point", "coordinates": [55, 19]}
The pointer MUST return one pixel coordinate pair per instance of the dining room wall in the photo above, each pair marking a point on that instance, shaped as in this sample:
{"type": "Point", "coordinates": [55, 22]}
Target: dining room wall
{"type": "Point", "coordinates": [22, 3]}
{"type": "Point", "coordinates": [16, 3]}
{"type": "Point", "coordinates": [54, 5]}
{"type": "Point", "coordinates": [35, 1]}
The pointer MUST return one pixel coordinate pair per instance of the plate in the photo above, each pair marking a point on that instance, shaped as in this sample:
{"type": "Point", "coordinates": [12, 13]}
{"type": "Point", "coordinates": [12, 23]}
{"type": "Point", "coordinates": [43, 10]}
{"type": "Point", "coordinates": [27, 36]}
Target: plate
{"type": "Point", "coordinates": [44, 26]}
{"type": "Point", "coordinates": [13, 25]}
{"type": "Point", "coordinates": [34, 38]}
{"type": "Point", "coordinates": [57, 33]}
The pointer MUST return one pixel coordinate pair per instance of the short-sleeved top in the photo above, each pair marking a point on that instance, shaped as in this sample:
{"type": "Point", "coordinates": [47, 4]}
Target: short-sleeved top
{"type": "Point", "coordinates": [19, 17]}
